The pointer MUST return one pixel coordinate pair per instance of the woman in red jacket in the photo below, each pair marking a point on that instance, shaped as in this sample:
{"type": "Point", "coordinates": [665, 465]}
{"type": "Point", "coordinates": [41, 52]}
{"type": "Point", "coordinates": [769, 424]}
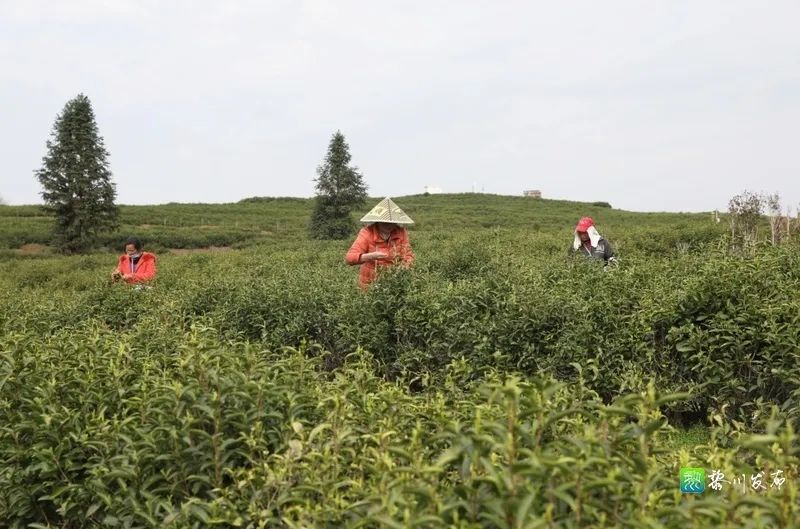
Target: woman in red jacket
{"type": "Point", "coordinates": [135, 266]}
{"type": "Point", "coordinates": [383, 242]}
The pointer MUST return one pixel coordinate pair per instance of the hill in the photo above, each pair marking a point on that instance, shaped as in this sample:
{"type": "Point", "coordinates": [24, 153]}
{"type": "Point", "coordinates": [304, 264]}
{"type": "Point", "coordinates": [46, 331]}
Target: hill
{"type": "Point", "coordinates": [260, 220]}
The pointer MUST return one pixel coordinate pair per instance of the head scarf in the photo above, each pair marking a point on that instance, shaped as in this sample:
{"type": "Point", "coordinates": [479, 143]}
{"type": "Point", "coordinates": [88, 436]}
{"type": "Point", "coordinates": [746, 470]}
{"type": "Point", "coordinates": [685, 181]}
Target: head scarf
{"type": "Point", "coordinates": [586, 225]}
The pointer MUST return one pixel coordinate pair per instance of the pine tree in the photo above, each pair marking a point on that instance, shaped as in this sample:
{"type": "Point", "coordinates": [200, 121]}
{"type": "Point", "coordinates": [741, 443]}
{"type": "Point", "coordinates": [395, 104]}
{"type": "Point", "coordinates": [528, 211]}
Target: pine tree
{"type": "Point", "coordinates": [340, 189]}
{"type": "Point", "coordinates": [76, 179]}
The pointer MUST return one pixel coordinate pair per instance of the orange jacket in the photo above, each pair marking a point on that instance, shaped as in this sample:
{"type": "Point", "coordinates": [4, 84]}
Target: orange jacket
{"type": "Point", "coordinates": [145, 268]}
{"type": "Point", "coordinates": [369, 240]}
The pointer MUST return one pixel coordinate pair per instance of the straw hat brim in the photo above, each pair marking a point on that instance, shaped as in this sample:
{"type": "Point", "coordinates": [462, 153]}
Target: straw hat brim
{"type": "Point", "coordinates": [387, 211]}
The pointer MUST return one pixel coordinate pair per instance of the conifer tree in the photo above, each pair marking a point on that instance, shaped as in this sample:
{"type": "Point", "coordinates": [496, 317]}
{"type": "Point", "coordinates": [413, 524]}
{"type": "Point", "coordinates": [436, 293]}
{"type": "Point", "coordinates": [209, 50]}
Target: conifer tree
{"type": "Point", "coordinates": [76, 179]}
{"type": "Point", "coordinates": [340, 189]}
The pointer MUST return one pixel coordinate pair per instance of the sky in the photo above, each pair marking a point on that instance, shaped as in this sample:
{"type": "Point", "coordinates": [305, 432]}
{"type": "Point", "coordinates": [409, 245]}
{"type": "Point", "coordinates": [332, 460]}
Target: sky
{"type": "Point", "coordinates": [650, 106]}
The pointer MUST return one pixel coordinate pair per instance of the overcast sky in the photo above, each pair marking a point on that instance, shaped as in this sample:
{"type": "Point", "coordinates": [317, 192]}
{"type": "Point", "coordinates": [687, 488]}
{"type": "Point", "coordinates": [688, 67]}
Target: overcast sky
{"type": "Point", "coordinates": [649, 105]}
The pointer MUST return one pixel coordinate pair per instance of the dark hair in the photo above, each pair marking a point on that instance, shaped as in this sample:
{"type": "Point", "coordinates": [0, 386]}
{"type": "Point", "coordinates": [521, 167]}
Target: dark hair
{"type": "Point", "coordinates": [135, 242]}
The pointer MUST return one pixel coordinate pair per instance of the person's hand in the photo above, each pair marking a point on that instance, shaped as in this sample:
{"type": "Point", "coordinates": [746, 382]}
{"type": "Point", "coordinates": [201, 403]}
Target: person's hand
{"type": "Point", "coordinates": [127, 276]}
{"type": "Point", "coordinates": [373, 256]}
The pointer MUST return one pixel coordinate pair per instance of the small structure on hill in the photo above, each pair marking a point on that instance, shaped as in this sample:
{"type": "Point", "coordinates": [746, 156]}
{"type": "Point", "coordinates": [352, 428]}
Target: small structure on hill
{"type": "Point", "coordinates": [532, 193]}
{"type": "Point", "coordinates": [431, 190]}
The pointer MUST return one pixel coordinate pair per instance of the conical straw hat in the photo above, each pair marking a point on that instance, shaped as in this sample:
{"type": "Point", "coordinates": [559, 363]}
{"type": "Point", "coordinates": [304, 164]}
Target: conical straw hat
{"type": "Point", "coordinates": [387, 211]}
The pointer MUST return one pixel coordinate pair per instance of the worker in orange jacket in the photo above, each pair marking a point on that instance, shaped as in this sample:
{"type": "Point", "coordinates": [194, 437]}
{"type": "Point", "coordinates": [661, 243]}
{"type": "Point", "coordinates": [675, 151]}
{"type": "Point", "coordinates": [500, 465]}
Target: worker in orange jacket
{"type": "Point", "coordinates": [135, 266]}
{"type": "Point", "coordinates": [383, 242]}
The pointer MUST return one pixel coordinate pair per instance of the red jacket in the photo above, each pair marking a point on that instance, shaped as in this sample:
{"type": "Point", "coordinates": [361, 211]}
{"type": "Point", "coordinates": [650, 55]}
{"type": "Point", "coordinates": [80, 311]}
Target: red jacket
{"type": "Point", "coordinates": [369, 240]}
{"type": "Point", "coordinates": [145, 268]}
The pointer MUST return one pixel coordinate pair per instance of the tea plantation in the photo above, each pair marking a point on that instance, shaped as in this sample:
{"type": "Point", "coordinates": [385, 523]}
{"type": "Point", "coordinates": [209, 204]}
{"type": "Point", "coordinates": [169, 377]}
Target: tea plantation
{"type": "Point", "coordinates": [498, 383]}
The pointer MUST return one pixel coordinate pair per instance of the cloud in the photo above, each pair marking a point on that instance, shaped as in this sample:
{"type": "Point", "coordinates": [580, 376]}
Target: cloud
{"type": "Point", "coordinates": [647, 105]}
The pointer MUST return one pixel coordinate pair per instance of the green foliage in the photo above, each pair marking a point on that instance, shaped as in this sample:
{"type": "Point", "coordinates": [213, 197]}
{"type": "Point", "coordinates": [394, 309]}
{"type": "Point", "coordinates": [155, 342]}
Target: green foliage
{"type": "Point", "coordinates": [340, 189]}
{"type": "Point", "coordinates": [601, 204]}
{"type": "Point", "coordinates": [76, 179]}
{"type": "Point", "coordinates": [721, 328]}
{"type": "Point", "coordinates": [118, 430]}
{"type": "Point", "coordinates": [265, 220]}
{"type": "Point", "coordinates": [495, 384]}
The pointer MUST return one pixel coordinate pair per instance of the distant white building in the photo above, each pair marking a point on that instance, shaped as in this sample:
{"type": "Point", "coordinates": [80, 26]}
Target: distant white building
{"type": "Point", "coordinates": [533, 193]}
{"type": "Point", "coordinates": [433, 190]}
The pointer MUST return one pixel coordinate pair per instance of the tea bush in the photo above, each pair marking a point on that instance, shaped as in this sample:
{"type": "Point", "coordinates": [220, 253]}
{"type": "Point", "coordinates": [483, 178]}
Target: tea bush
{"type": "Point", "coordinates": [724, 329]}
{"type": "Point", "coordinates": [266, 220]}
{"type": "Point", "coordinates": [497, 383]}
{"type": "Point", "coordinates": [99, 429]}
